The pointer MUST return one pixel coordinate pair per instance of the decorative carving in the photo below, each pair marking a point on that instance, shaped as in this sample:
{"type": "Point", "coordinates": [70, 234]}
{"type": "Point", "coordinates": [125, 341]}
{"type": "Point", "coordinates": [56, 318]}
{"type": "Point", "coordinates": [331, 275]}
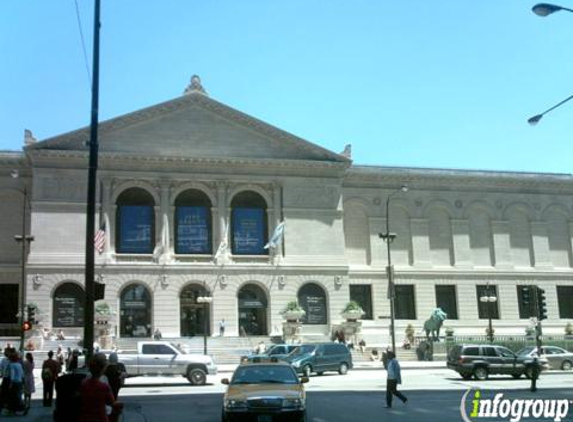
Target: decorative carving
{"type": "Point", "coordinates": [195, 86]}
{"type": "Point", "coordinates": [458, 203]}
{"type": "Point", "coordinates": [499, 204]}
{"type": "Point", "coordinates": [418, 202]}
{"type": "Point", "coordinates": [377, 201]}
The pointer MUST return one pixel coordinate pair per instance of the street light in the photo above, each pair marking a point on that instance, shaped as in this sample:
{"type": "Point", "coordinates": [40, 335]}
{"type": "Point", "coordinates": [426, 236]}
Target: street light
{"type": "Point", "coordinates": [389, 237]}
{"type": "Point", "coordinates": [489, 300]}
{"type": "Point", "coordinates": [205, 300]}
{"type": "Point", "coordinates": [24, 241]}
{"type": "Point", "coordinates": [544, 9]}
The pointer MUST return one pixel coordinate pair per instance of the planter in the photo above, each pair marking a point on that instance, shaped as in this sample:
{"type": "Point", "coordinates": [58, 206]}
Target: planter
{"type": "Point", "coordinates": [293, 316]}
{"type": "Point", "coordinates": [352, 316]}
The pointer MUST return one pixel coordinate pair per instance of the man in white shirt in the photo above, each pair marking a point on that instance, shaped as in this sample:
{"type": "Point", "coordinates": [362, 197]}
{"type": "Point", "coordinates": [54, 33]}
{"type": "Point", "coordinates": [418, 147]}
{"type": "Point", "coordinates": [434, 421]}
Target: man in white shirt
{"type": "Point", "coordinates": [393, 379]}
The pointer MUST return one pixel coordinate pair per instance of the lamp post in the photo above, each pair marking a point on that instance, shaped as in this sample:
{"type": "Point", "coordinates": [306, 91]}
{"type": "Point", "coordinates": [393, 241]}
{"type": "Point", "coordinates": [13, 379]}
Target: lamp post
{"type": "Point", "coordinates": [389, 237]}
{"type": "Point", "coordinates": [489, 300]}
{"type": "Point", "coordinates": [545, 9]}
{"type": "Point", "coordinates": [24, 241]}
{"type": "Point", "coordinates": [205, 300]}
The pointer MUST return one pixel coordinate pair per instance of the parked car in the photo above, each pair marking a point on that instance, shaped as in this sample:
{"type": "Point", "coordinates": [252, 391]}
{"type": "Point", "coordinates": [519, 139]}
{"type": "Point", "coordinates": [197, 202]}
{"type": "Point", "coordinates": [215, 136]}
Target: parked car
{"type": "Point", "coordinates": [480, 361]}
{"type": "Point", "coordinates": [320, 357]}
{"type": "Point", "coordinates": [164, 358]}
{"type": "Point", "coordinates": [264, 392]}
{"type": "Point", "coordinates": [557, 357]}
{"type": "Point", "coordinates": [277, 351]}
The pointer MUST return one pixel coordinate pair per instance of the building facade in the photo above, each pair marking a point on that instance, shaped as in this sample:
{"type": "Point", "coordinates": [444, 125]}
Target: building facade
{"type": "Point", "coordinates": [191, 190]}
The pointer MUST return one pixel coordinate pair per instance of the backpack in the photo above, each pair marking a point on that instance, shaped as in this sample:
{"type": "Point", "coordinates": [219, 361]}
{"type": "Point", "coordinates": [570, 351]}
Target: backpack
{"type": "Point", "coordinates": [47, 374]}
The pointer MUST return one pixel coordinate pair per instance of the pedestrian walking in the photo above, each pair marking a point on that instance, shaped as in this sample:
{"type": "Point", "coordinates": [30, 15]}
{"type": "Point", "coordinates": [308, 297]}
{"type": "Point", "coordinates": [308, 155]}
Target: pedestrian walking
{"type": "Point", "coordinates": [115, 373]}
{"type": "Point", "coordinates": [157, 334]}
{"type": "Point", "coordinates": [50, 370]}
{"type": "Point", "coordinates": [222, 325]}
{"type": "Point", "coordinates": [394, 378]}
{"type": "Point", "coordinates": [5, 375]}
{"type": "Point", "coordinates": [14, 401]}
{"type": "Point", "coordinates": [95, 394]}
{"type": "Point", "coordinates": [29, 382]}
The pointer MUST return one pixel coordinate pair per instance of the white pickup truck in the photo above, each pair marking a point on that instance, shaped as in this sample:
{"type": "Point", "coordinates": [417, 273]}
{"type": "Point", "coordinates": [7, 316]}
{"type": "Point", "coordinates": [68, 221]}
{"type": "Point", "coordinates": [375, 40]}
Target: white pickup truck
{"type": "Point", "coordinates": [165, 358]}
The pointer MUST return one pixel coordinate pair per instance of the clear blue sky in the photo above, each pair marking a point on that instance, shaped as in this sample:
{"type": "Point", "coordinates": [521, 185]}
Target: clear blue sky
{"type": "Point", "coordinates": [421, 83]}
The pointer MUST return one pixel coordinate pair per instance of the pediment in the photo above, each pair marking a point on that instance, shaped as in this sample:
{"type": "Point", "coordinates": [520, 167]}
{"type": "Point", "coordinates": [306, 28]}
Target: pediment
{"type": "Point", "coordinates": [194, 126]}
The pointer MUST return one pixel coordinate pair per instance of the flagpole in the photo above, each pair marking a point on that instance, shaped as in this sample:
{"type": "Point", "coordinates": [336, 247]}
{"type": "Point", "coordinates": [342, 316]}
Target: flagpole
{"type": "Point", "coordinates": [91, 196]}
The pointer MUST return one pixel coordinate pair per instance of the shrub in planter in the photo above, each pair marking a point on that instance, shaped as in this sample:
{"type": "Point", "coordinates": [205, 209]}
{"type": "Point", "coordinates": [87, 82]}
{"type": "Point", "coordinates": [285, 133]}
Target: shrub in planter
{"type": "Point", "coordinates": [352, 311]}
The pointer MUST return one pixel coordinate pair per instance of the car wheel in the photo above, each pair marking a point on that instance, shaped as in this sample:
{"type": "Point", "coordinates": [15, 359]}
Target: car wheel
{"type": "Point", "coordinates": [303, 417]}
{"type": "Point", "coordinates": [306, 370]}
{"type": "Point", "coordinates": [343, 369]}
{"type": "Point", "coordinates": [197, 376]}
{"type": "Point", "coordinates": [566, 365]}
{"type": "Point", "coordinates": [516, 376]}
{"type": "Point", "coordinates": [480, 373]}
{"type": "Point", "coordinates": [319, 373]}
{"type": "Point", "coordinates": [467, 376]}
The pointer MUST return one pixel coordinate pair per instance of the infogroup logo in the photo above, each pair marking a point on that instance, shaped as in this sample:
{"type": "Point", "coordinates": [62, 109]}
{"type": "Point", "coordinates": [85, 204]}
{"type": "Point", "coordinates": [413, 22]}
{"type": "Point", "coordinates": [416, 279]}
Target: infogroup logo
{"type": "Point", "coordinates": [512, 409]}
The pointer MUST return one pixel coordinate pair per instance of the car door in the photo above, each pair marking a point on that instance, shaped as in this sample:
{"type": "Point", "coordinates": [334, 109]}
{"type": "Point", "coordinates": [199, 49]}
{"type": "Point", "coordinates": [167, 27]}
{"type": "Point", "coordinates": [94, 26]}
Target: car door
{"type": "Point", "coordinates": [492, 358]}
{"type": "Point", "coordinates": [508, 361]}
{"type": "Point", "coordinates": [553, 355]}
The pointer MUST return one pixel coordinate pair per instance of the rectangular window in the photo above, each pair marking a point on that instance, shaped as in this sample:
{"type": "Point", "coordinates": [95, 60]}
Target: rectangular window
{"type": "Point", "coordinates": [487, 308]}
{"type": "Point", "coordinates": [446, 300]}
{"type": "Point", "coordinates": [9, 303]}
{"type": "Point", "coordinates": [404, 302]}
{"type": "Point", "coordinates": [248, 231]}
{"type": "Point", "coordinates": [525, 294]}
{"type": "Point", "coordinates": [565, 301]}
{"type": "Point", "coordinates": [362, 294]}
{"type": "Point", "coordinates": [136, 229]}
{"type": "Point", "coordinates": [193, 234]}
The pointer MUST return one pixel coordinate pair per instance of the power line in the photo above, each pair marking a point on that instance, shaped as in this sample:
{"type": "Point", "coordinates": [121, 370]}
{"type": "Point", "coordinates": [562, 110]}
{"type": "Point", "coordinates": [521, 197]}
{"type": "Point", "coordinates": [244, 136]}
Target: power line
{"type": "Point", "coordinates": [83, 44]}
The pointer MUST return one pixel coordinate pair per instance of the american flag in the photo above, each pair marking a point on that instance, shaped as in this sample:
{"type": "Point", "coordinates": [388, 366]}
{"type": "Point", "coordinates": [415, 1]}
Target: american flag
{"type": "Point", "coordinates": [99, 239]}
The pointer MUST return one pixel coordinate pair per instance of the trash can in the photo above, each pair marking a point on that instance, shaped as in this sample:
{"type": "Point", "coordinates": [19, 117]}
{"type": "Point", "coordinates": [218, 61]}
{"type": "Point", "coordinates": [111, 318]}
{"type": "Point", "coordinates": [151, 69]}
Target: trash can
{"type": "Point", "coordinates": [68, 397]}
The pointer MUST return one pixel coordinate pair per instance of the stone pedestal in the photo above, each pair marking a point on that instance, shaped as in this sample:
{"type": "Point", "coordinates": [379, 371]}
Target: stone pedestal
{"type": "Point", "coordinates": [292, 331]}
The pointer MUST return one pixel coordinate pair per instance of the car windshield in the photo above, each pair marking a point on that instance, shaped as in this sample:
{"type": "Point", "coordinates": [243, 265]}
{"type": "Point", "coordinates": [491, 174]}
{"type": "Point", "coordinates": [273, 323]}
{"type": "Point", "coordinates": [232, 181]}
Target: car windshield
{"type": "Point", "coordinates": [265, 374]}
{"type": "Point", "coordinates": [526, 350]}
{"type": "Point", "coordinates": [304, 349]}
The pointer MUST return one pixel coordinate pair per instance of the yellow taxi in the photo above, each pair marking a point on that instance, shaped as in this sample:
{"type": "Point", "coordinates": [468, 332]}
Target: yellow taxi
{"type": "Point", "coordinates": [264, 391]}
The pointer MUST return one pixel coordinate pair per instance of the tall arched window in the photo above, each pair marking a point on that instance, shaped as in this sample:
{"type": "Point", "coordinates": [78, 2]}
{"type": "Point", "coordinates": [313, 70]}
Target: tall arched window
{"type": "Point", "coordinates": [135, 222]}
{"type": "Point", "coordinates": [312, 298]}
{"type": "Point", "coordinates": [193, 223]}
{"type": "Point", "coordinates": [249, 224]}
{"type": "Point", "coordinates": [135, 311]}
{"type": "Point", "coordinates": [68, 310]}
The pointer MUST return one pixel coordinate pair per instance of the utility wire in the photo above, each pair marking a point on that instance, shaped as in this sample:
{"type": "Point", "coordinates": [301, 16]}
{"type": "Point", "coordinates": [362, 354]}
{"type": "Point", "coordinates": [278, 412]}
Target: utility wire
{"type": "Point", "coordinates": [83, 44]}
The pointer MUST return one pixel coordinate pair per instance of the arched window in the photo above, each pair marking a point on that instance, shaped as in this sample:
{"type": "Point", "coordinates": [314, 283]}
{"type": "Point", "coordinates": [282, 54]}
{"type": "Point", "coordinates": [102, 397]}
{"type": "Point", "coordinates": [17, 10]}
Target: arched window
{"type": "Point", "coordinates": [135, 311]}
{"type": "Point", "coordinates": [249, 224]}
{"type": "Point", "coordinates": [68, 309]}
{"type": "Point", "coordinates": [312, 298]}
{"type": "Point", "coordinates": [193, 223]}
{"type": "Point", "coordinates": [135, 222]}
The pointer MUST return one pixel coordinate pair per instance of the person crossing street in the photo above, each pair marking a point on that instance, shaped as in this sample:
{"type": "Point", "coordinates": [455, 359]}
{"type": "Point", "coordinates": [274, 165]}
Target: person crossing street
{"type": "Point", "coordinates": [393, 379]}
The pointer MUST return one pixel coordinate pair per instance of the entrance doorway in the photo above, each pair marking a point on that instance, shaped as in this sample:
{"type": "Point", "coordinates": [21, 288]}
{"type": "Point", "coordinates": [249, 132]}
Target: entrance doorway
{"type": "Point", "coordinates": [135, 312]}
{"type": "Point", "coordinates": [195, 317]}
{"type": "Point", "coordinates": [252, 311]}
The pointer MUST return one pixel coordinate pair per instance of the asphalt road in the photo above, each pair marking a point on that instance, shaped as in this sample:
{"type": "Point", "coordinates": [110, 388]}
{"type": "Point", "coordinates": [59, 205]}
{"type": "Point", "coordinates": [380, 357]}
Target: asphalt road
{"type": "Point", "coordinates": [434, 394]}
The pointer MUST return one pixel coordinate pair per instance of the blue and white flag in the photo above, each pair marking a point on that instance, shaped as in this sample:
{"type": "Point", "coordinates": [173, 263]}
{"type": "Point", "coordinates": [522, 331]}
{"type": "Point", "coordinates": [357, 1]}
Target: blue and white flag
{"type": "Point", "coordinates": [277, 236]}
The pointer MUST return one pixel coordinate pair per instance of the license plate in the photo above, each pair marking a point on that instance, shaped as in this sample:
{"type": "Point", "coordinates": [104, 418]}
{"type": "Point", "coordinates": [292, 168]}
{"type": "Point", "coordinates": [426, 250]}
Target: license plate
{"type": "Point", "coordinates": [265, 418]}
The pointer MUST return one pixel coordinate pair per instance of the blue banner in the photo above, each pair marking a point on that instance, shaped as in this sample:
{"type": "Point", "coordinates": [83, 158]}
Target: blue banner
{"type": "Point", "coordinates": [136, 224]}
{"type": "Point", "coordinates": [193, 230]}
{"type": "Point", "coordinates": [249, 231]}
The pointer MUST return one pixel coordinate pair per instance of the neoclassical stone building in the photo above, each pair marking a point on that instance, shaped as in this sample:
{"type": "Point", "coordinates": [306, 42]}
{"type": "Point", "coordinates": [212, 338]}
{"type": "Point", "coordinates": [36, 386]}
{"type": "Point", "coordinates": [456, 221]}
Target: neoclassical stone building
{"type": "Point", "coordinates": [177, 179]}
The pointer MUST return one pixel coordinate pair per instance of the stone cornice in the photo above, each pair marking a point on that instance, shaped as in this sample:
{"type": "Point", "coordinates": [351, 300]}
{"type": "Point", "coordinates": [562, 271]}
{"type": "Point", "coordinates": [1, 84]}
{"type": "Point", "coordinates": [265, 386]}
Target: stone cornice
{"type": "Point", "coordinates": [78, 139]}
{"type": "Point", "coordinates": [427, 178]}
{"type": "Point", "coordinates": [109, 161]}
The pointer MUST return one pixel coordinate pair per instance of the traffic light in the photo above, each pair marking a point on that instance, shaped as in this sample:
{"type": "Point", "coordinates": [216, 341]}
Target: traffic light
{"type": "Point", "coordinates": [99, 290]}
{"type": "Point", "coordinates": [541, 305]}
{"type": "Point", "coordinates": [27, 326]}
{"type": "Point", "coordinates": [526, 300]}
{"type": "Point", "coordinates": [32, 314]}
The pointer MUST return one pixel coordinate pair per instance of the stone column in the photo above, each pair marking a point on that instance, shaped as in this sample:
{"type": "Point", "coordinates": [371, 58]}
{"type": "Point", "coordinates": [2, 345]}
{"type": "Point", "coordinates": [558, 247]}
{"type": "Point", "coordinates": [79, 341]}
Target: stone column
{"type": "Point", "coordinates": [461, 243]}
{"type": "Point", "coordinates": [420, 242]}
{"type": "Point", "coordinates": [501, 244]}
{"type": "Point", "coordinates": [540, 243]}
